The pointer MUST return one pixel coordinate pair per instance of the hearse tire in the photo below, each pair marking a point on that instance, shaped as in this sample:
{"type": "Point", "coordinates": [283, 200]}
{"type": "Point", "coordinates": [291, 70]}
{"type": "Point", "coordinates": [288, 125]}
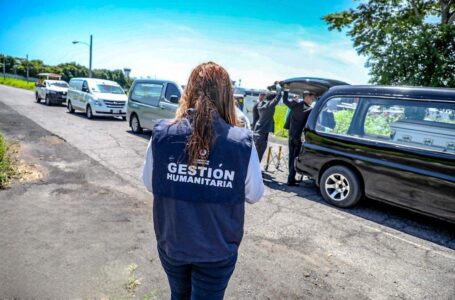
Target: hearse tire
{"type": "Point", "coordinates": [340, 186]}
{"type": "Point", "coordinates": [89, 113]}
{"type": "Point", "coordinates": [48, 100]}
{"type": "Point", "coordinates": [70, 107]}
{"type": "Point", "coordinates": [135, 124]}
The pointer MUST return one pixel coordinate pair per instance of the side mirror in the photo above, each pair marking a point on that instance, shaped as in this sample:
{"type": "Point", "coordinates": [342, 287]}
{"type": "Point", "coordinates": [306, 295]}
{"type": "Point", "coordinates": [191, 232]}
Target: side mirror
{"type": "Point", "coordinates": [174, 99]}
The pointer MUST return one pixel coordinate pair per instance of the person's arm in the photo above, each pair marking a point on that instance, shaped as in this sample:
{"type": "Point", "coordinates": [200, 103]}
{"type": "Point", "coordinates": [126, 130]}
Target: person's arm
{"type": "Point", "coordinates": [290, 104]}
{"type": "Point", "coordinates": [148, 168]}
{"type": "Point", "coordinates": [254, 186]}
{"type": "Point", "coordinates": [255, 115]}
{"type": "Point", "coordinates": [277, 99]}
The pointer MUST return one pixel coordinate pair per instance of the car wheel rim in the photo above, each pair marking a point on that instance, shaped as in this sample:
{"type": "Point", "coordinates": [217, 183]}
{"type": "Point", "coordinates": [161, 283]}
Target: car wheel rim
{"type": "Point", "coordinates": [89, 112]}
{"type": "Point", "coordinates": [135, 124]}
{"type": "Point", "coordinates": [337, 187]}
{"type": "Point", "coordinates": [69, 106]}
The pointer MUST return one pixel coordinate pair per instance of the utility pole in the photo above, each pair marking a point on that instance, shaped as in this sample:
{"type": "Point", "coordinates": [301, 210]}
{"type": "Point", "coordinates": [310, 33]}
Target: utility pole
{"type": "Point", "coordinates": [26, 57]}
{"type": "Point", "coordinates": [90, 64]}
{"type": "Point", "coordinates": [90, 46]}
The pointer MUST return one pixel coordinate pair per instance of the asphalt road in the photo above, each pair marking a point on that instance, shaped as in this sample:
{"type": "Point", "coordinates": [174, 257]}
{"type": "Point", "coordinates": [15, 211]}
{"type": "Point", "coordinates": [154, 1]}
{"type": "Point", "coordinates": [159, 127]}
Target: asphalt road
{"type": "Point", "coordinates": [295, 246]}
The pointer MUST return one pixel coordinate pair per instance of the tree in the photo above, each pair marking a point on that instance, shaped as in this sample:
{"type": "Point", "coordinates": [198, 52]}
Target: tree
{"type": "Point", "coordinates": [406, 42]}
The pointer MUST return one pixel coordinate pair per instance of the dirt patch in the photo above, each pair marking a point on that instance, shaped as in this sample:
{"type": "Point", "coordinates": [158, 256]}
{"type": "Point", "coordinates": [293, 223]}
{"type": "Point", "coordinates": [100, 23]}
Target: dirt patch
{"type": "Point", "coordinates": [52, 140]}
{"type": "Point", "coordinates": [23, 171]}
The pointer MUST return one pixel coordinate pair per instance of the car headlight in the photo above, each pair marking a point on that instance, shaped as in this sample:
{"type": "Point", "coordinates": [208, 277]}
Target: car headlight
{"type": "Point", "coordinates": [52, 92]}
{"type": "Point", "coordinates": [97, 102]}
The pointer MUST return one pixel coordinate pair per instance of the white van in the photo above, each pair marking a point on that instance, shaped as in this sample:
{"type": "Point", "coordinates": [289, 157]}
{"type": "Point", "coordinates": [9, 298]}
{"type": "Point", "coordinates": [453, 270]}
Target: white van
{"type": "Point", "coordinates": [96, 97]}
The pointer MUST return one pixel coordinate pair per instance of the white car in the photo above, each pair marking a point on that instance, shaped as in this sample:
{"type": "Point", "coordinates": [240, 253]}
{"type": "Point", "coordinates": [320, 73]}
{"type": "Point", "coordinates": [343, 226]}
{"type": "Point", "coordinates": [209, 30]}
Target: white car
{"type": "Point", "coordinates": [96, 97]}
{"type": "Point", "coordinates": [51, 91]}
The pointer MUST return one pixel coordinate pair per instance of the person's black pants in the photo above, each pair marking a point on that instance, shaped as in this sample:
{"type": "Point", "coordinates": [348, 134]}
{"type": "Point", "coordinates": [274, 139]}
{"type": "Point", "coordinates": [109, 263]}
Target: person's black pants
{"type": "Point", "coordinates": [294, 149]}
{"type": "Point", "coordinates": [260, 141]}
{"type": "Point", "coordinates": [197, 281]}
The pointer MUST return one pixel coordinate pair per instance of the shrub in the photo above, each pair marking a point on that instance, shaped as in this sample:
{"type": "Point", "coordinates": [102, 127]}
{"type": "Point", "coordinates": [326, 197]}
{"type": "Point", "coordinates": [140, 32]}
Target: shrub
{"type": "Point", "coordinates": [6, 169]}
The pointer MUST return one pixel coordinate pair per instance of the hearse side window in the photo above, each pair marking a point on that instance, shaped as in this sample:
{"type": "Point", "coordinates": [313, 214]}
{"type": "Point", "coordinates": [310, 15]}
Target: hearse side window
{"type": "Point", "coordinates": [427, 125]}
{"type": "Point", "coordinates": [75, 84]}
{"type": "Point", "coordinates": [85, 87]}
{"type": "Point", "coordinates": [147, 93]}
{"type": "Point", "coordinates": [336, 116]}
{"type": "Point", "coordinates": [171, 90]}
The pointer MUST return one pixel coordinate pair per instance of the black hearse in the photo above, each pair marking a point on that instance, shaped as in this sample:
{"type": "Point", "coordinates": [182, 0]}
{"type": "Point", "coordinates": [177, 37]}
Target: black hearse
{"type": "Point", "coordinates": [391, 144]}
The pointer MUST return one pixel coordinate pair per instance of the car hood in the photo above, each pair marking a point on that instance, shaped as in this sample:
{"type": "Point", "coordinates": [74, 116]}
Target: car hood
{"type": "Point", "coordinates": [113, 97]}
{"type": "Point", "coordinates": [318, 86]}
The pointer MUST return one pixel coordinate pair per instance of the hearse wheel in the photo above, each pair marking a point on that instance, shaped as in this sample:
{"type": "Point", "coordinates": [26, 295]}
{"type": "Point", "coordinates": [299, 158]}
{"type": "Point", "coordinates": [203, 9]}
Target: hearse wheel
{"type": "Point", "coordinates": [135, 125]}
{"type": "Point", "coordinates": [47, 100]}
{"type": "Point", "coordinates": [340, 186]}
{"type": "Point", "coordinates": [88, 112]}
{"type": "Point", "coordinates": [70, 107]}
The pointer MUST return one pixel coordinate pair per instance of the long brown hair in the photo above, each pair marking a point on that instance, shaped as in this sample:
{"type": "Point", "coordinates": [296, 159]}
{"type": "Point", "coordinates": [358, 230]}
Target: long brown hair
{"type": "Point", "coordinates": [209, 90]}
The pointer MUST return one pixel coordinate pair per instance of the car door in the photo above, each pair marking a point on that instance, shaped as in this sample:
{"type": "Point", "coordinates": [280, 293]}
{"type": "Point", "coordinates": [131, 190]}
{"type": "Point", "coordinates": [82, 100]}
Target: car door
{"type": "Point", "coordinates": [169, 101]}
{"type": "Point", "coordinates": [84, 95]}
{"type": "Point", "coordinates": [42, 89]}
{"type": "Point", "coordinates": [411, 160]}
{"type": "Point", "coordinates": [145, 100]}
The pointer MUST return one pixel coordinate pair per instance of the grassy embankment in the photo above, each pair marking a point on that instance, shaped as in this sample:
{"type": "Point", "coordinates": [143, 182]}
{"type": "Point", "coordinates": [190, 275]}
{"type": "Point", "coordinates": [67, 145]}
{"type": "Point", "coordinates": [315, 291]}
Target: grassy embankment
{"type": "Point", "coordinates": [19, 83]}
{"type": "Point", "coordinates": [280, 117]}
{"type": "Point", "coordinates": [6, 164]}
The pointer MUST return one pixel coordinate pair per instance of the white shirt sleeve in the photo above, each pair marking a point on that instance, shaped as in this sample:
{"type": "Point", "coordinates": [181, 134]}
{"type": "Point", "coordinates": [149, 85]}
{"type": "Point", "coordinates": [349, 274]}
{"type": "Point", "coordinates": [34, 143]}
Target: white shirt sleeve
{"type": "Point", "coordinates": [148, 168]}
{"type": "Point", "coordinates": [254, 186]}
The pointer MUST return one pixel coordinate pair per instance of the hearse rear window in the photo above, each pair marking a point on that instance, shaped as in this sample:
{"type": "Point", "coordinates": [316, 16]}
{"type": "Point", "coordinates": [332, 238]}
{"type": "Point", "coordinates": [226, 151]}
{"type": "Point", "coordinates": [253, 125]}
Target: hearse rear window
{"type": "Point", "coordinates": [148, 93]}
{"type": "Point", "coordinates": [422, 124]}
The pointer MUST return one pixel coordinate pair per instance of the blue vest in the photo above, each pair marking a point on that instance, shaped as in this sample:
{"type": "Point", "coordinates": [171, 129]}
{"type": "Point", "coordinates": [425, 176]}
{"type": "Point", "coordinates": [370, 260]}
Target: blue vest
{"type": "Point", "coordinates": [198, 211]}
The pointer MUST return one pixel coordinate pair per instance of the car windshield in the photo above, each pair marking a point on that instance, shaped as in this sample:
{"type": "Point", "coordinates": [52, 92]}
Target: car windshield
{"type": "Point", "coordinates": [108, 89]}
{"type": "Point", "coordinates": [59, 84]}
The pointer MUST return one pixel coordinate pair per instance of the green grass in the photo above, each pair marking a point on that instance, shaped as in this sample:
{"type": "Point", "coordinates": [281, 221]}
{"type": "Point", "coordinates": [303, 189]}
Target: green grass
{"type": "Point", "coordinates": [6, 168]}
{"type": "Point", "coordinates": [280, 118]}
{"type": "Point", "coordinates": [19, 83]}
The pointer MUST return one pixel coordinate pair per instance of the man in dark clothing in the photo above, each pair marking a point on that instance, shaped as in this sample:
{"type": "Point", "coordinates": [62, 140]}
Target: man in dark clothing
{"type": "Point", "coordinates": [298, 118]}
{"type": "Point", "coordinates": [263, 122]}
{"type": "Point", "coordinates": [287, 122]}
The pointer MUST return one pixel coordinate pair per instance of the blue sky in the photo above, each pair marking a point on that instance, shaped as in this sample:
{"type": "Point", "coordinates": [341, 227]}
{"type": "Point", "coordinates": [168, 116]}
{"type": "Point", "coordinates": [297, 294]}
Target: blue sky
{"type": "Point", "coordinates": [257, 41]}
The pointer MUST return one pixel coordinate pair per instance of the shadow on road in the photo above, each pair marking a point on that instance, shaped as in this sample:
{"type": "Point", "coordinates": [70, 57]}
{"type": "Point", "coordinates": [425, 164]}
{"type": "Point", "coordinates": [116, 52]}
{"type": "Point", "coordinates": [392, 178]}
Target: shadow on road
{"type": "Point", "coordinates": [146, 135]}
{"type": "Point", "coordinates": [97, 118]}
{"type": "Point", "coordinates": [431, 229]}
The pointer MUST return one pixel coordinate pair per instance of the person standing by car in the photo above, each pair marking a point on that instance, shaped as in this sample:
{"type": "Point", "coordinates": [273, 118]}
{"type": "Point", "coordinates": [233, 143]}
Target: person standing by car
{"type": "Point", "coordinates": [261, 97]}
{"type": "Point", "coordinates": [201, 169]}
{"type": "Point", "coordinates": [264, 123]}
{"type": "Point", "coordinates": [300, 110]}
{"type": "Point", "coordinates": [287, 122]}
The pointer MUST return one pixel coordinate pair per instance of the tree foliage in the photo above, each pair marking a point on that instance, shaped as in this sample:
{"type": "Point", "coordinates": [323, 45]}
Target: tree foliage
{"type": "Point", "coordinates": [18, 66]}
{"type": "Point", "coordinates": [406, 42]}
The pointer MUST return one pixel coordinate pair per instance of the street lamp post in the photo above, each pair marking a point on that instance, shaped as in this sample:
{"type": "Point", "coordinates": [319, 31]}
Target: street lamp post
{"type": "Point", "coordinates": [90, 48]}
